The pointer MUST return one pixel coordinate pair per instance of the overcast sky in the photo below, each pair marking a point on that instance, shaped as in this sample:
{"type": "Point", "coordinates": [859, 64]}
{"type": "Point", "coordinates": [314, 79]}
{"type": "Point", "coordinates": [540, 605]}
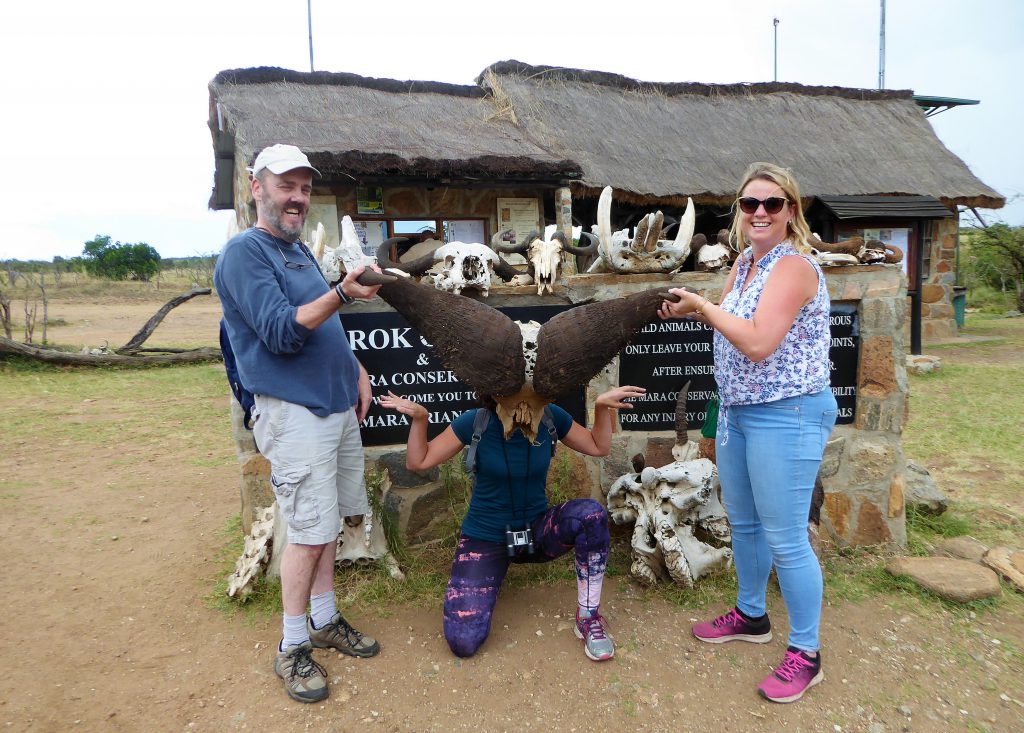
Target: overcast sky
{"type": "Point", "coordinates": [106, 102]}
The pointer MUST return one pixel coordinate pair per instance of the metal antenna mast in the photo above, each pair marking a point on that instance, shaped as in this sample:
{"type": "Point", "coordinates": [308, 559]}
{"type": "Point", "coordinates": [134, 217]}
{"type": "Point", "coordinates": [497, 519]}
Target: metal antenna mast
{"type": "Point", "coordinates": [775, 26]}
{"type": "Point", "coordinates": [309, 18]}
{"type": "Point", "coordinates": [881, 50]}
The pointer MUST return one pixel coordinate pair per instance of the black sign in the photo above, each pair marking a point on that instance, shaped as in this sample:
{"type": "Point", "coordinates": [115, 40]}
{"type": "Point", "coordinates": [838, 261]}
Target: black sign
{"type": "Point", "coordinates": [667, 354]}
{"type": "Point", "coordinates": [844, 356]}
{"type": "Point", "coordinates": [400, 360]}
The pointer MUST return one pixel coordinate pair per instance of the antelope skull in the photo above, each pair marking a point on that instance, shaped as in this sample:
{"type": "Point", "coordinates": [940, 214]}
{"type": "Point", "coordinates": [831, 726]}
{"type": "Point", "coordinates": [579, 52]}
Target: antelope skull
{"type": "Point", "coordinates": [547, 256]}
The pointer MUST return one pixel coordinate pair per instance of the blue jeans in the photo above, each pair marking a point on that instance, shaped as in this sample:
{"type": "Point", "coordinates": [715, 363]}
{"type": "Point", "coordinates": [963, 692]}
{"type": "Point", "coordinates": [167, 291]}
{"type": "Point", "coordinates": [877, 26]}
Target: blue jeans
{"type": "Point", "coordinates": [768, 457]}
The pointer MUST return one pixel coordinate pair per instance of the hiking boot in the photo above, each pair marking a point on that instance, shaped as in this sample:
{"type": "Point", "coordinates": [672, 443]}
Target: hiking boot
{"type": "Point", "coordinates": [338, 634]}
{"type": "Point", "coordinates": [732, 626]}
{"type": "Point", "coordinates": [596, 643]}
{"type": "Point", "coordinates": [304, 679]}
{"type": "Point", "coordinates": [791, 679]}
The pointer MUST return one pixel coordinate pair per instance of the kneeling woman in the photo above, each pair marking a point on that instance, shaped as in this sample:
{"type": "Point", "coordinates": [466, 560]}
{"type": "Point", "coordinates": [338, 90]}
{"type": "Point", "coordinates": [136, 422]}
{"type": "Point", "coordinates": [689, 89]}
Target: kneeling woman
{"type": "Point", "coordinates": [509, 494]}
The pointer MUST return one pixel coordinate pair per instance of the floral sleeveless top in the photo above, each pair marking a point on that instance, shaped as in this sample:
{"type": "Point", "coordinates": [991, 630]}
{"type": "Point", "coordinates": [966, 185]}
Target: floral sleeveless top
{"type": "Point", "coordinates": [800, 365]}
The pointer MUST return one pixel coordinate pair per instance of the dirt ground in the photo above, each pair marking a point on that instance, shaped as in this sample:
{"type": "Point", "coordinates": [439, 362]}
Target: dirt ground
{"type": "Point", "coordinates": [106, 627]}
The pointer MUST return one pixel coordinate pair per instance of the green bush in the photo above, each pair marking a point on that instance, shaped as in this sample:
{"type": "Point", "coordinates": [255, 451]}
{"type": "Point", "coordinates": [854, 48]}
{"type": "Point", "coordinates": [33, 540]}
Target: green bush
{"type": "Point", "coordinates": [993, 266]}
{"type": "Point", "coordinates": [117, 261]}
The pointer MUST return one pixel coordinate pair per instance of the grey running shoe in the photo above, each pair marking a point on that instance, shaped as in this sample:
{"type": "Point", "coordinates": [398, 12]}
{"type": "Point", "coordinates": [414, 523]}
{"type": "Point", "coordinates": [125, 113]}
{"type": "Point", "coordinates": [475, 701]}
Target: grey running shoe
{"type": "Point", "coordinates": [304, 679]}
{"type": "Point", "coordinates": [596, 643]}
{"type": "Point", "coordinates": [339, 634]}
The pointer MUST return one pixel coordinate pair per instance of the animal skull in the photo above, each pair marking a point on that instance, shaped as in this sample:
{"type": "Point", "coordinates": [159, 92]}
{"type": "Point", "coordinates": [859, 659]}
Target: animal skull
{"type": "Point", "coordinates": [465, 266]}
{"type": "Point", "coordinates": [714, 257]}
{"type": "Point", "coordinates": [546, 258]}
{"type": "Point", "coordinates": [462, 265]}
{"type": "Point", "coordinates": [362, 541]}
{"type": "Point", "coordinates": [348, 255]}
{"type": "Point", "coordinates": [667, 505]}
{"type": "Point", "coordinates": [645, 251]}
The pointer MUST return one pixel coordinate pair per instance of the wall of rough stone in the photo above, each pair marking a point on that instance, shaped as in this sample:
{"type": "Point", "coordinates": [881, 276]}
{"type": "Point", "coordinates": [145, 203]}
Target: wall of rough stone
{"type": "Point", "coordinates": [863, 472]}
{"type": "Point", "coordinates": [937, 319]}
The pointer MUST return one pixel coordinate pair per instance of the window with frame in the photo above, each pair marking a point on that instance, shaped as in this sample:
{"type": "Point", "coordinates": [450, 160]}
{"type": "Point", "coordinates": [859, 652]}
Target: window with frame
{"type": "Point", "coordinates": [929, 233]}
{"type": "Point", "coordinates": [900, 236]}
{"type": "Point", "coordinates": [374, 232]}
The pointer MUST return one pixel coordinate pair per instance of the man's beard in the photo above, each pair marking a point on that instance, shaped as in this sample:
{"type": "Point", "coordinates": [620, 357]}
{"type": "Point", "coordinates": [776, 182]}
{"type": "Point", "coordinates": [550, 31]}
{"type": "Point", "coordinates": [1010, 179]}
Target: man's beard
{"type": "Point", "coordinates": [272, 213]}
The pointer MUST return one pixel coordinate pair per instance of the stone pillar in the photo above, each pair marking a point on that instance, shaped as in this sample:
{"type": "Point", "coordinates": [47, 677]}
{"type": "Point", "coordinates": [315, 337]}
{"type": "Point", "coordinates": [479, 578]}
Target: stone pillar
{"type": "Point", "coordinates": [563, 220]}
{"type": "Point", "coordinates": [254, 468]}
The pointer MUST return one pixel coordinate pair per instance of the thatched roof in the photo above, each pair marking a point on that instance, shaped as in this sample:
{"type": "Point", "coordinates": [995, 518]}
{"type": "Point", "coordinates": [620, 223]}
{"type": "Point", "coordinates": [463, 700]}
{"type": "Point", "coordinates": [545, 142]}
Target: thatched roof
{"type": "Point", "coordinates": [353, 126]}
{"type": "Point", "coordinates": [652, 142]}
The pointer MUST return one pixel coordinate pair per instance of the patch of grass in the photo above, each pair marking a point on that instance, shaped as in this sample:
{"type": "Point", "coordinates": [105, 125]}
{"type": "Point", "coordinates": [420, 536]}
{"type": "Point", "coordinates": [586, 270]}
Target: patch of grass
{"type": "Point", "coordinates": [560, 485]}
{"type": "Point", "coordinates": [924, 529]}
{"type": "Point", "coordinates": [265, 599]}
{"type": "Point", "coordinates": [425, 566]}
{"type": "Point", "coordinates": [859, 573]}
{"type": "Point", "coordinates": [715, 591]}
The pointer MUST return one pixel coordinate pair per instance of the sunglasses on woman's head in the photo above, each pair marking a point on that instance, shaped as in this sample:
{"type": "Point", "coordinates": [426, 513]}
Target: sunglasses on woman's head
{"type": "Point", "coordinates": [772, 204]}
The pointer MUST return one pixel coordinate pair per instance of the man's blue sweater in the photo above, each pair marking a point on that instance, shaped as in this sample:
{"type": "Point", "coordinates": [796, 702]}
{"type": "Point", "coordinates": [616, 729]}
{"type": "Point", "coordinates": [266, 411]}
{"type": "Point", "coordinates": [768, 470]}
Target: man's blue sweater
{"type": "Point", "coordinates": [276, 356]}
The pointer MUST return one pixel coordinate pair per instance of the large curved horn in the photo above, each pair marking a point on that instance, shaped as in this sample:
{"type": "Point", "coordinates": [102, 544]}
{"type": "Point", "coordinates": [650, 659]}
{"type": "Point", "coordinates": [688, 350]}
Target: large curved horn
{"type": "Point", "coordinates": [686, 225]}
{"type": "Point", "coordinates": [604, 220]}
{"type": "Point", "coordinates": [505, 270]}
{"type": "Point", "coordinates": [514, 248]}
{"type": "Point", "coordinates": [588, 251]}
{"type": "Point", "coordinates": [415, 267]}
{"type": "Point", "coordinates": [496, 238]}
{"type": "Point", "coordinates": [482, 345]}
{"type": "Point", "coordinates": [372, 277]}
{"type": "Point", "coordinates": [384, 252]}
{"type": "Point", "coordinates": [697, 242]}
{"type": "Point", "coordinates": [576, 344]}
{"type": "Point", "coordinates": [682, 425]}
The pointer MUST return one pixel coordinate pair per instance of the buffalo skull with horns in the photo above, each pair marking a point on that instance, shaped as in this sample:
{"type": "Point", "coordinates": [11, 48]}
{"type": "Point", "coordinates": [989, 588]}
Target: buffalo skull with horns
{"type": "Point", "coordinates": [546, 256]}
{"type": "Point", "coordinates": [646, 251]}
{"type": "Point", "coordinates": [522, 366]}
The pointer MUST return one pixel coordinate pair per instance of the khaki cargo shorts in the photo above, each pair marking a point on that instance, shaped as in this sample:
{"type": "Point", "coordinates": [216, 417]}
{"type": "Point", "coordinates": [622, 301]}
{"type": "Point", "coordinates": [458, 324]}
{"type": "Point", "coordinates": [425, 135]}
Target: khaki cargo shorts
{"type": "Point", "coordinates": [316, 467]}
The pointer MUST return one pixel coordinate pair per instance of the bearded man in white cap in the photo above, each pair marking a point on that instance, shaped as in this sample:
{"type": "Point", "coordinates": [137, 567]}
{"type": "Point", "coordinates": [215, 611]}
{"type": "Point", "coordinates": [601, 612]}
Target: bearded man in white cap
{"type": "Point", "coordinates": [280, 317]}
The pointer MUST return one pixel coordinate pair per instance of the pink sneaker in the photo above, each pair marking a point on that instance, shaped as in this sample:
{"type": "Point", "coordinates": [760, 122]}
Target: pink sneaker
{"type": "Point", "coordinates": [792, 678]}
{"type": "Point", "coordinates": [733, 627]}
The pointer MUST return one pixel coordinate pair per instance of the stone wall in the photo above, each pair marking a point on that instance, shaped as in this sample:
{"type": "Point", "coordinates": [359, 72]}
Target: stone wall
{"type": "Point", "coordinates": [937, 320]}
{"type": "Point", "coordinates": [864, 468]}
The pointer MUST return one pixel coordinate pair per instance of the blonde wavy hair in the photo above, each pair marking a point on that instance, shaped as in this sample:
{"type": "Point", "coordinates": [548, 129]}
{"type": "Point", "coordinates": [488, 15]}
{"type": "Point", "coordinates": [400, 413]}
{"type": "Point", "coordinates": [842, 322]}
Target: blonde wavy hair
{"type": "Point", "coordinates": [799, 230]}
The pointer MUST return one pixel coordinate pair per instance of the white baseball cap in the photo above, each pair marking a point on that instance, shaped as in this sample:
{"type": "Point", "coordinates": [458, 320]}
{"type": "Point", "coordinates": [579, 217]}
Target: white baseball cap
{"type": "Point", "coordinates": [279, 159]}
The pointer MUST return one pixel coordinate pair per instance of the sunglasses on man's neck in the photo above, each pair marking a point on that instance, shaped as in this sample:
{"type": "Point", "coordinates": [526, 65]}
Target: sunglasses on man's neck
{"type": "Point", "coordinates": [772, 204]}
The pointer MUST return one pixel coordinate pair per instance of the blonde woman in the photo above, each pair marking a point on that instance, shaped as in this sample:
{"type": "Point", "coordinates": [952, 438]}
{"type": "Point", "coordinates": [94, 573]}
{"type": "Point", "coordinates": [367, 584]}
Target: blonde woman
{"type": "Point", "coordinates": [771, 346]}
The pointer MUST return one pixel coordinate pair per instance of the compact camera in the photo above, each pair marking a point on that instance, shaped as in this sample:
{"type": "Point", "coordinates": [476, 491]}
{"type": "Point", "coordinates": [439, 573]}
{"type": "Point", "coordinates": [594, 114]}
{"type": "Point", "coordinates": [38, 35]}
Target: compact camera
{"type": "Point", "coordinates": [516, 538]}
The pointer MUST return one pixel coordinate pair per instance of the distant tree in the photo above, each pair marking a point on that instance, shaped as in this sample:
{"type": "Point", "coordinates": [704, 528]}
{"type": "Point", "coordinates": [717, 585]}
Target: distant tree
{"type": "Point", "coordinates": [996, 256]}
{"type": "Point", "coordinates": [117, 261]}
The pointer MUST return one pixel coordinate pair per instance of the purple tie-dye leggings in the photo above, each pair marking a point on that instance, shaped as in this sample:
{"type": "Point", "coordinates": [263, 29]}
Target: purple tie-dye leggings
{"type": "Point", "coordinates": [479, 568]}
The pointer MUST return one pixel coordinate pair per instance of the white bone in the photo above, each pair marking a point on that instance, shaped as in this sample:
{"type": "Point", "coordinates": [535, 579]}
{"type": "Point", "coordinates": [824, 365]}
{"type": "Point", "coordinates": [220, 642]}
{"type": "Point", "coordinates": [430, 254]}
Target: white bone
{"type": "Point", "coordinates": [465, 265]}
{"type": "Point", "coordinates": [713, 257]}
{"type": "Point", "coordinates": [618, 252]}
{"type": "Point", "coordinates": [667, 504]}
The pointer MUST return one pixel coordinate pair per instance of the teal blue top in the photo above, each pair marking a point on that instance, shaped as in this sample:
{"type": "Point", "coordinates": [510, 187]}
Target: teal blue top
{"type": "Point", "coordinates": [497, 499]}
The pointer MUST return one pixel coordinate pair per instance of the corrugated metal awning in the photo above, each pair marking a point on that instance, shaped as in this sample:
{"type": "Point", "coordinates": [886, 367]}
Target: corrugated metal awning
{"type": "Point", "coordinates": [885, 207]}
